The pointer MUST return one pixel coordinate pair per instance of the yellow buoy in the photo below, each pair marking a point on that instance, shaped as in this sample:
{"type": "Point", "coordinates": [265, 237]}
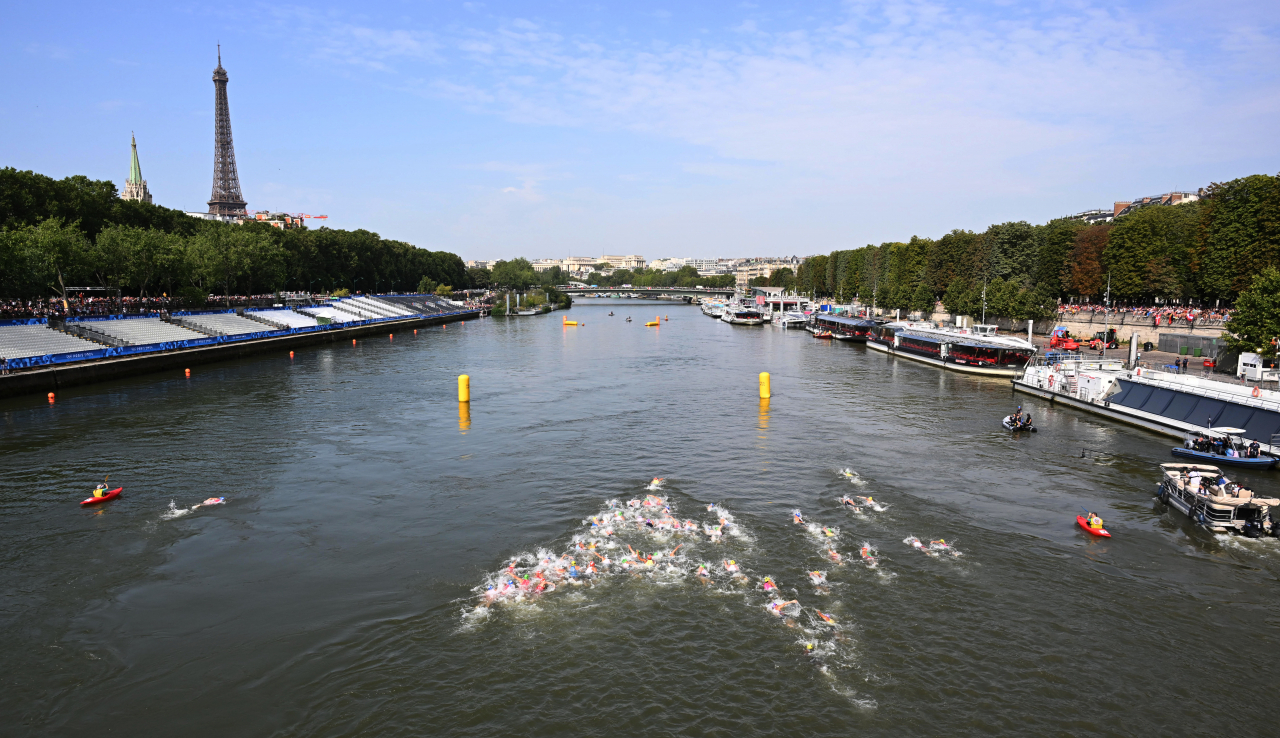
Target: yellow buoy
{"type": "Point", "coordinates": [654, 322]}
{"type": "Point", "coordinates": [464, 388]}
{"type": "Point", "coordinates": [571, 322]}
{"type": "Point", "coordinates": [764, 386]}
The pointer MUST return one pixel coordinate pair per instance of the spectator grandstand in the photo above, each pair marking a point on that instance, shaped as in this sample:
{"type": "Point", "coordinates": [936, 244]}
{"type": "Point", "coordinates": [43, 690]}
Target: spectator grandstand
{"type": "Point", "coordinates": [282, 318]}
{"type": "Point", "coordinates": [221, 324]}
{"type": "Point", "coordinates": [21, 341]}
{"type": "Point", "coordinates": [135, 331]}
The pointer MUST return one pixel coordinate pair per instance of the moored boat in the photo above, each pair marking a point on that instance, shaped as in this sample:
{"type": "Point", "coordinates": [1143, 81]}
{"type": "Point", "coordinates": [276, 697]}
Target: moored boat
{"type": "Point", "coordinates": [844, 329]}
{"type": "Point", "coordinates": [974, 351]}
{"type": "Point", "coordinates": [742, 315]}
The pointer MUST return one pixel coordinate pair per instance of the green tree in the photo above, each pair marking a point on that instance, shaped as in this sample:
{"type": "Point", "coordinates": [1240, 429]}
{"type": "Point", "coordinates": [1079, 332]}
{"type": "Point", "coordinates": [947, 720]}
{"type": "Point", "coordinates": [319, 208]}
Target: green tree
{"type": "Point", "coordinates": [426, 286]}
{"type": "Point", "coordinates": [1240, 236]}
{"type": "Point", "coordinates": [516, 274]}
{"type": "Point", "coordinates": [478, 277]}
{"type": "Point", "coordinates": [1255, 324]}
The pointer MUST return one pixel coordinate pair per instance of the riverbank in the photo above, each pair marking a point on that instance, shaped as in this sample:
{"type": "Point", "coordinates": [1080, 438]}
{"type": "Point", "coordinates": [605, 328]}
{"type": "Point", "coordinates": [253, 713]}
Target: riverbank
{"type": "Point", "coordinates": [56, 377]}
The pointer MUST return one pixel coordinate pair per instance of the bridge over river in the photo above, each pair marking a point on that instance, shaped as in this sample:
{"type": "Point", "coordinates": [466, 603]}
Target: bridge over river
{"type": "Point", "coordinates": [687, 293]}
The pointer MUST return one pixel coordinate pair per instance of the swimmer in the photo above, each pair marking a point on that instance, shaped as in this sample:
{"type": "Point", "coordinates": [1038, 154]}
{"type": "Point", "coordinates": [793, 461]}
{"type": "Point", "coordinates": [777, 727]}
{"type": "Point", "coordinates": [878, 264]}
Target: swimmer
{"type": "Point", "coordinates": [731, 566]}
{"type": "Point", "coordinates": [711, 507]}
{"type": "Point", "coordinates": [828, 532]}
{"type": "Point", "coordinates": [818, 577]}
{"type": "Point", "coordinates": [825, 617]}
{"type": "Point", "coordinates": [768, 584]}
{"type": "Point", "coordinates": [776, 606]}
{"type": "Point", "coordinates": [915, 543]}
{"type": "Point", "coordinates": [702, 572]}
{"type": "Point", "coordinates": [211, 501]}
{"type": "Point", "coordinates": [797, 518]}
{"type": "Point", "coordinates": [865, 552]}
{"type": "Point", "coordinates": [834, 555]}
{"type": "Point", "coordinates": [847, 502]}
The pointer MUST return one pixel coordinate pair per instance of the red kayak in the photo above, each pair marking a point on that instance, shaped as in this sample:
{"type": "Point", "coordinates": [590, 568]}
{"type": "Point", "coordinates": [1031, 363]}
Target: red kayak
{"type": "Point", "coordinates": [108, 496]}
{"type": "Point", "coordinates": [1102, 532]}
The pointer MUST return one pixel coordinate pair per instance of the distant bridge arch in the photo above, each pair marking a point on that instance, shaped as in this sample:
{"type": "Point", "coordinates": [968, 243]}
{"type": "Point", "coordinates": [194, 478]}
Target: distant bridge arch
{"type": "Point", "coordinates": [688, 293]}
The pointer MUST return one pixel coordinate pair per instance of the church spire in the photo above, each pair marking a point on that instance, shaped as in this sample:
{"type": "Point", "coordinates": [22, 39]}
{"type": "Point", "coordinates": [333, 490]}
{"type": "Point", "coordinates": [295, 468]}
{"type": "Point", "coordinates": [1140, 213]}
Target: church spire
{"type": "Point", "coordinates": [135, 188]}
{"type": "Point", "coordinates": [135, 169]}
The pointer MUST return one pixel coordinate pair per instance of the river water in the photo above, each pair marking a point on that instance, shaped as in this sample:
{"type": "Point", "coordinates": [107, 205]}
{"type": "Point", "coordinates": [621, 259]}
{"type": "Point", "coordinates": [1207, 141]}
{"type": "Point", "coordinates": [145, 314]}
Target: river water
{"type": "Point", "coordinates": [337, 591]}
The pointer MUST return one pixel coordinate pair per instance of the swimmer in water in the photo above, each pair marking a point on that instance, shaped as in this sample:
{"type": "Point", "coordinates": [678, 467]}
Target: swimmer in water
{"type": "Point", "coordinates": [768, 584]}
{"type": "Point", "coordinates": [835, 556]}
{"type": "Point", "coordinates": [776, 606]}
{"type": "Point", "coordinates": [847, 502]}
{"type": "Point", "coordinates": [870, 560]}
{"type": "Point", "coordinates": [818, 577]}
{"type": "Point", "coordinates": [797, 518]}
{"type": "Point", "coordinates": [825, 617]}
{"type": "Point", "coordinates": [828, 532]}
{"type": "Point", "coordinates": [702, 572]}
{"type": "Point", "coordinates": [732, 566]}
{"type": "Point", "coordinates": [711, 507]}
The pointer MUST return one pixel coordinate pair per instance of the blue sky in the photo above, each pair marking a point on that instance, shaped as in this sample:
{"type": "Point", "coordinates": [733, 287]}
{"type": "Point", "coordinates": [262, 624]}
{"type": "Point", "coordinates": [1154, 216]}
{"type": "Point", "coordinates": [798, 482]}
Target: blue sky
{"type": "Point", "coordinates": [715, 129]}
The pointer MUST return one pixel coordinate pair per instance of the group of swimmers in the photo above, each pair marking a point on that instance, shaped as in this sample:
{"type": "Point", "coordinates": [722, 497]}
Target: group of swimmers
{"type": "Point", "coordinates": [589, 555]}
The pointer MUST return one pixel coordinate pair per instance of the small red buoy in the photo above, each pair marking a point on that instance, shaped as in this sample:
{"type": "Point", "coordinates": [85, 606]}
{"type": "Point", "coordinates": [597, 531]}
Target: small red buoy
{"type": "Point", "coordinates": [415, 331]}
{"type": "Point", "coordinates": [464, 322]}
{"type": "Point", "coordinates": [188, 372]}
{"type": "Point", "coordinates": [445, 327]}
{"type": "Point", "coordinates": [51, 398]}
{"type": "Point", "coordinates": [391, 336]}
{"type": "Point", "coordinates": [353, 342]}
{"type": "Point", "coordinates": [290, 354]}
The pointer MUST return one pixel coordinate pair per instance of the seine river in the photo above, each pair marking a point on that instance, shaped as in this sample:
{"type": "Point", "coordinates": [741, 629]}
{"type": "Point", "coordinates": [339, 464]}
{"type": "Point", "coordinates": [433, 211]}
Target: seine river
{"type": "Point", "coordinates": [336, 592]}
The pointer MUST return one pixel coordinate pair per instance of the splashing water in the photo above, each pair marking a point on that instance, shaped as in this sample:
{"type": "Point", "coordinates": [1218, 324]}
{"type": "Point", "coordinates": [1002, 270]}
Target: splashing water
{"type": "Point", "coordinates": [175, 512]}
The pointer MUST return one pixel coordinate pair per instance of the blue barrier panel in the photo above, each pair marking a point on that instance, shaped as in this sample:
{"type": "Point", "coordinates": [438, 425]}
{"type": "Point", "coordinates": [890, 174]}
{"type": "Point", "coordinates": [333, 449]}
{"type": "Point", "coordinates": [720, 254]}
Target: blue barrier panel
{"type": "Point", "coordinates": [224, 311]}
{"type": "Point", "coordinates": [25, 321]}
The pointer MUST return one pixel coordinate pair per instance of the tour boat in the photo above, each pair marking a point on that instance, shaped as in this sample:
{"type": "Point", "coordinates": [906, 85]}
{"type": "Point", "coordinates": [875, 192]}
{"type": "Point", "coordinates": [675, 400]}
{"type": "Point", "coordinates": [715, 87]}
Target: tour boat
{"type": "Point", "coordinates": [976, 350]}
{"type": "Point", "coordinates": [738, 314]}
{"type": "Point", "coordinates": [844, 329]}
{"type": "Point", "coordinates": [1223, 507]}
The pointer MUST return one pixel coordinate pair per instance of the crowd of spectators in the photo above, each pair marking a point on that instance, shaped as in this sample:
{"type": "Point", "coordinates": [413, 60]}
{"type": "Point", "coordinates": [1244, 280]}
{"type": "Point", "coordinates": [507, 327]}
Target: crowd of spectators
{"type": "Point", "coordinates": [1166, 315]}
{"type": "Point", "coordinates": [81, 306]}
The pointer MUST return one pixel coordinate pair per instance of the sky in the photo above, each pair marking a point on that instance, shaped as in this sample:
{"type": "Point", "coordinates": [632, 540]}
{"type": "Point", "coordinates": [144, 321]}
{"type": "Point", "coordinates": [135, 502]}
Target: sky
{"type": "Point", "coordinates": [502, 129]}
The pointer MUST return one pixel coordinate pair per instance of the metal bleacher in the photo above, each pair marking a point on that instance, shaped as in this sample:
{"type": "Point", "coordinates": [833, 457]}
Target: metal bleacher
{"type": "Point", "coordinates": [21, 341]}
{"type": "Point", "coordinates": [139, 331]}
{"type": "Point", "coordinates": [286, 318]}
{"type": "Point", "coordinates": [222, 324]}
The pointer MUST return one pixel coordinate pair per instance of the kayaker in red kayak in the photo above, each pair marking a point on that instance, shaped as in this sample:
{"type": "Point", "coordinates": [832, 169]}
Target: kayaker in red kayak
{"type": "Point", "coordinates": [1094, 521]}
{"type": "Point", "coordinates": [100, 490]}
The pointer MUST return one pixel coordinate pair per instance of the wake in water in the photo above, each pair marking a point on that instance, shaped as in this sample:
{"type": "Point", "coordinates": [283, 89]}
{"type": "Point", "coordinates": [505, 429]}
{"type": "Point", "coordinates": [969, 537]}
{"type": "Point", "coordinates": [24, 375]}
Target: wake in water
{"type": "Point", "coordinates": [176, 512]}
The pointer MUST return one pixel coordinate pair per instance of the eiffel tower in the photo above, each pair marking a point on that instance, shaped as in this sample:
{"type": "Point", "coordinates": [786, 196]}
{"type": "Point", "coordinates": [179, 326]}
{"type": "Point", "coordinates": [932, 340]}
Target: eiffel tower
{"type": "Point", "coordinates": [226, 198]}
